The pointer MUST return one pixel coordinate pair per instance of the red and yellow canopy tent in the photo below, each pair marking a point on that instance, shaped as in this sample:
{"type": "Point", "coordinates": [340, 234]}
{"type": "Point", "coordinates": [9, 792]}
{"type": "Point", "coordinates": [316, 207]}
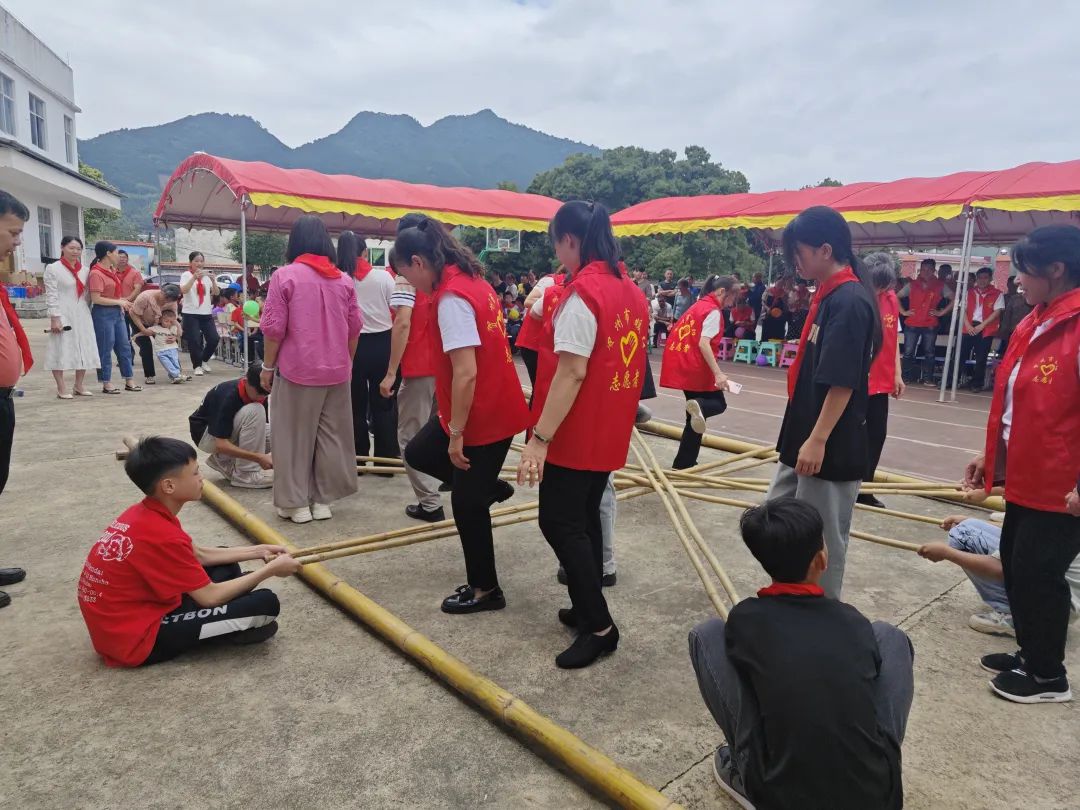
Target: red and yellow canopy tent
{"type": "Point", "coordinates": [212, 192]}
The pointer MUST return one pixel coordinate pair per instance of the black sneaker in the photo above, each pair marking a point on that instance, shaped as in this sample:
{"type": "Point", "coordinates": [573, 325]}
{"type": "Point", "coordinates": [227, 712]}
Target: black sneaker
{"type": "Point", "coordinates": [503, 491]}
{"type": "Point", "coordinates": [1001, 662]}
{"type": "Point", "coordinates": [643, 415]}
{"type": "Point", "coordinates": [464, 600]}
{"type": "Point", "coordinates": [5, 599]}
{"type": "Point", "coordinates": [870, 500]}
{"type": "Point", "coordinates": [254, 635]}
{"type": "Point", "coordinates": [9, 576]}
{"type": "Point", "coordinates": [587, 648]}
{"type": "Point", "coordinates": [1020, 687]}
{"type": "Point", "coordinates": [418, 512]}
{"type": "Point", "coordinates": [728, 778]}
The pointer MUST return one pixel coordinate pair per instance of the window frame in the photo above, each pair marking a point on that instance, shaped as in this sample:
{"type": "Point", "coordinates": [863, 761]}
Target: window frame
{"type": "Point", "coordinates": [45, 232]}
{"type": "Point", "coordinates": [69, 139]}
{"type": "Point", "coordinates": [41, 130]}
{"type": "Point", "coordinates": [7, 105]}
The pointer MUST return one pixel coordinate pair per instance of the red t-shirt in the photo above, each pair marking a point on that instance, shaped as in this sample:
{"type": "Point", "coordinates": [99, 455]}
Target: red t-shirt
{"type": "Point", "coordinates": [133, 576]}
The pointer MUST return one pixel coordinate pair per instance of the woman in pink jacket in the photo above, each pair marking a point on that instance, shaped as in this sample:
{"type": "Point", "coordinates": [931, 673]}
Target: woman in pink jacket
{"type": "Point", "coordinates": [310, 324]}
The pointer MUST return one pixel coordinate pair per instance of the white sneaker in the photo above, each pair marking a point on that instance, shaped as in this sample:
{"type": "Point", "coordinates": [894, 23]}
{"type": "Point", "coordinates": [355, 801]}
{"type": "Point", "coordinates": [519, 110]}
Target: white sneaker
{"type": "Point", "coordinates": [320, 511]}
{"type": "Point", "coordinates": [993, 623]}
{"type": "Point", "coordinates": [199, 372]}
{"type": "Point", "coordinates": [997, 517]}
{"type": "Point", "coordinates": [259, 480]}
{"type": "Point", "coordinates": [206, 367]}
{"type": "Point", "coordinates": [299, 515]}
{"type": "Point", "coordinates": [215, 464]}
{"type": "Point", "coordinates": [697, 418]}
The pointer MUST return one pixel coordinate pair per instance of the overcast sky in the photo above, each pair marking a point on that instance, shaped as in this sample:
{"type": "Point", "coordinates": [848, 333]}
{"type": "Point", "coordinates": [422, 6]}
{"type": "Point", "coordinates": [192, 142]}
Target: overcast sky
{"type": "Point", "coordinates": [787, 91]}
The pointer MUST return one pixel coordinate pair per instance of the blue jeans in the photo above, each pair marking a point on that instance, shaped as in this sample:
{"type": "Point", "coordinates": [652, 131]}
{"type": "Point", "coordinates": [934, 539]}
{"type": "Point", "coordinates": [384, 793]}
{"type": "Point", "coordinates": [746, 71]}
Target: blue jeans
{"type": "Point", "coordinates": [112, 336]}
{"type": "Point", "coordinates": [978, 537]}
{"type": "Point", "coordinates": [170, 359]}
{"type": "Point", "coordinates": [916, 338]}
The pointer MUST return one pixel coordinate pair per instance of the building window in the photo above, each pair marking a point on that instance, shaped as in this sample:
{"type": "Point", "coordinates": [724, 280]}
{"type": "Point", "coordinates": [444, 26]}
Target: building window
{"type": "Point", "coordinates": [69, 139]}
{"type": "Point", "coordinates": [69, 220]}
{"type": "Point", "coordinates": [45, 232]}
{"type": "Point", "coordinates": [37, 123]}
{"type": "Point", "coordinates": [7, 104]}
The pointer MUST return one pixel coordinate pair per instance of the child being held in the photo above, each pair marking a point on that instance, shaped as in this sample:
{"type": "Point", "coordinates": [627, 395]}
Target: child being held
{"type": "Point", "coordinates": [166, 337]}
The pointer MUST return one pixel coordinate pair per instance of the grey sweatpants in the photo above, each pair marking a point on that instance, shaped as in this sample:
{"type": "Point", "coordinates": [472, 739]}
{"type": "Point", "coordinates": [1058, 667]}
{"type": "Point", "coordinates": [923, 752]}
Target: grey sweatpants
{"type": "Point", "coordinates": [416, 403]}
{"type": "Point", "coordinates": [835, 500]}
{"type": "Point", "coordinates": [735, 708]}
{"type": "Point", "coordinates": [249, 432]}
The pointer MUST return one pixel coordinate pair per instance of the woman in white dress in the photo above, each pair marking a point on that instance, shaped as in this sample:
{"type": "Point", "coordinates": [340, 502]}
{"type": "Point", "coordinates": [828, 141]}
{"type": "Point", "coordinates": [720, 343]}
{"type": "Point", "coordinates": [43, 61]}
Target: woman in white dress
{"type": "Point", "coordinates": [72, 344]}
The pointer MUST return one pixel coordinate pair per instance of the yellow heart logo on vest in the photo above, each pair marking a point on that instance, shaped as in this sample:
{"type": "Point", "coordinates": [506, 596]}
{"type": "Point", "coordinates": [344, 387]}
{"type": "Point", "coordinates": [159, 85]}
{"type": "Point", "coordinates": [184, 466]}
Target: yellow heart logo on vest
{"type": "Point", "coordinates": [628, 345]}
{"type": "Point", "coordinates": [685, 330]}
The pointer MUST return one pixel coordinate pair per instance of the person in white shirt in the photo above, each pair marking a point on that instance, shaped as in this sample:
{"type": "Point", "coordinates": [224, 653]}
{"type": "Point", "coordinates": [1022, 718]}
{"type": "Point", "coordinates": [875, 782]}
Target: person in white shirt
{"type": "Point", "coordinates": [987, 305]}
{"type": "Point", "coordinates": [200, 333]}
{"type": "Point", "coordinates": [373, 414]}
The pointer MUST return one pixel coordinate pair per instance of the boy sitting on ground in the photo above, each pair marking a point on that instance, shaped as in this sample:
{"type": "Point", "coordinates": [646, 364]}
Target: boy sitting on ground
{"type": "Point", "coordinates": [974, 546]}
{"type": "Point", "coordinates": [231, 425]}
{"type": "Point", "coordinates": [812, 698]}
{"type": "Point", "coordinates": [147, 593]}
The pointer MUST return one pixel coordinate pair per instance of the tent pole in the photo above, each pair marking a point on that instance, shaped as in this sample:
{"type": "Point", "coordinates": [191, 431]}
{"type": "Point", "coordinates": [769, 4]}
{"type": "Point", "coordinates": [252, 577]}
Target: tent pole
{"type": "Point", "coordinates": [243, 282]}
{"type": "Point", "coordinates": [771, 251]}
{"type": "Point", "coordinates": [960, 302]}
{"type": "Point", "coordinates": [951, 349]}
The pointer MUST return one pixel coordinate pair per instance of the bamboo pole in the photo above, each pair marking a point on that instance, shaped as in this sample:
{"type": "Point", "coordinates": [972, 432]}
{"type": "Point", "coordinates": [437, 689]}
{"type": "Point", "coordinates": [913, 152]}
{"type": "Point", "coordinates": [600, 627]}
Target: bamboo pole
{"type": "Point", "coordinates": [594, 767]}
{"type": "Point", "coordinates": [393, 462]}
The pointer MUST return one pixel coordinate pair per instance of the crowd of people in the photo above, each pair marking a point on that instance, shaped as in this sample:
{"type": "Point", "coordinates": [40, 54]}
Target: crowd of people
{"type": "Point", "coordinates": [812, 697]}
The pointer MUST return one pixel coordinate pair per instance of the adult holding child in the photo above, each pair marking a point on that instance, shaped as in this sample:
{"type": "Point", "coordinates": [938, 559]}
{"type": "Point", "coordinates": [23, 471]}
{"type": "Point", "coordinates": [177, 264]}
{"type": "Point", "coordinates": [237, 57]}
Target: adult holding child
{"type": "Point", "coordinates": [199, 288]}
{"type": "Point", "coordinates": [145, 313]}
{"type": "Point", "coordinates": [1032, 446]}
{"type": "Point", "coordinates": [72, 345]}
{"type": "Point", "coordinates": [110, 330]}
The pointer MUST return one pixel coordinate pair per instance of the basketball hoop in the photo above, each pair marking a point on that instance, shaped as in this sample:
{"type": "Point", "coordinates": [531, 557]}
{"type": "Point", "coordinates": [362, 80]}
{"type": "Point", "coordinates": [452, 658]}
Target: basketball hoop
{"type": "Point", "coordinates": [502, 240]}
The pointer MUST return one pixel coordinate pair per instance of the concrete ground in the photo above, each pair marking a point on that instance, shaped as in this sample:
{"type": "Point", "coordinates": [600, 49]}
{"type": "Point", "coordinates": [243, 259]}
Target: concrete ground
{"type": "Point", "coordinates": [326, 715]}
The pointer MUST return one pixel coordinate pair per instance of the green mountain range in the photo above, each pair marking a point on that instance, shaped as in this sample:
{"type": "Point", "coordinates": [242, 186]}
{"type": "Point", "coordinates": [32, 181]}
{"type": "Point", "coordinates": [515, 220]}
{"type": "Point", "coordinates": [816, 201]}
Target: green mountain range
{"type": "Point", "coordinates": [478, 150]}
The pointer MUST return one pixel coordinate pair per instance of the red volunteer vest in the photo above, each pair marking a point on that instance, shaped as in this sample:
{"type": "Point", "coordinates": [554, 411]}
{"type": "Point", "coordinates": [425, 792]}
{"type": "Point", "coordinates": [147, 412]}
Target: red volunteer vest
{"type": "Point", "coordinates": [924, 298]}
{"type": "Point", "coordinates": [989, 297]}
{"type": "Point", "coordinates": [498, 410]}
{"type": "Point", "coordinates": [595, 435]}
{"type": "Point", "coordinates": [1043, 458]}
{"type": "Point", "coordinates": [418, 359]}
{"type": "Point", "coordinates": [532, 329]}
{"type": "Point", "coordinates": [883, 369]}
{"type": "Point", "coordinates": [683, 367]}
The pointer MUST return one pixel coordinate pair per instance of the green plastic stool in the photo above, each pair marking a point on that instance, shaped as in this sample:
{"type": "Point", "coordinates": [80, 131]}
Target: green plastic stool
{"type": "Point", "coordinates": [769, 350]}
{"type": "Point", "coordinates": [746, 352]}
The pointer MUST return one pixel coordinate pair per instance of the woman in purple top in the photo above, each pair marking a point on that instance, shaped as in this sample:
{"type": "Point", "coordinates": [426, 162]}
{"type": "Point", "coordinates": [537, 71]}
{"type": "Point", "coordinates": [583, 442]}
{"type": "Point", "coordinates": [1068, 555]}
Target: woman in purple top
{"type": "Point", "coordinates": [310, 324]}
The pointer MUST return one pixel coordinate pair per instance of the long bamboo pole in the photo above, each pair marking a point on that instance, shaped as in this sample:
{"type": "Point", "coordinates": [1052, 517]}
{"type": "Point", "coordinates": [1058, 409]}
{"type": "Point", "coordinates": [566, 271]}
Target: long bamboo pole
{"type": "Point", "coordinates": [591, 765]}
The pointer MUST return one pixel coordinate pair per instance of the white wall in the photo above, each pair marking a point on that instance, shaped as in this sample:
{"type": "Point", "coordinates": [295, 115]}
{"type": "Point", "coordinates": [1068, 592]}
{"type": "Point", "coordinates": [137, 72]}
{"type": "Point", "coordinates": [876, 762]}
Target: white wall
{"type": "Point", "coordinates": [28, 257]}
{"type": "Point", "coordinates": [34, 68]}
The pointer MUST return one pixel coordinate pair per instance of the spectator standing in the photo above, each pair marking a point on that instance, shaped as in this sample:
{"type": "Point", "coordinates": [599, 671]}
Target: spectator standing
{"type": "Point", "coordinates": [131, 282]}
{"type": "Point", "coordinates": [683, 299]}
{"type": "Point", "coordinates": [985, 305]}
{"type": "Point", "coordinates": [146, 312]}
{"type": "Point", "coordinates": [110, 330]}
{"type": "Point", "coordinates": [67, 299]}
{"type": "Point", "coordinates": [200, 333]}
{"type": "Point", "coordinates": [1016, 309]}
{"type": "Point", "coordinates": [757, 292]}
{"type": "Point", "coordinates": [921, 324]}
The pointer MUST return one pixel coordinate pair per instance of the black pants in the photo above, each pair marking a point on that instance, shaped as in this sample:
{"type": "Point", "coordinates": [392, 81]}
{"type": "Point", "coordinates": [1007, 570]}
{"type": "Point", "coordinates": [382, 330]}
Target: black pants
{"type": "Point", "coordinates": [190, 625]}
{"type": "Point", "coordinates": [471, 494]}
{"type": "Point", "coordinates": [201, 337]}
{"type": "Point", "coordinates": [658, 330]}
{"type": "Point", "coordinates": [371, 410]}
{"type": "Point", "coordinates": [979, 346]}
{"type": "Point", "coordinates": [530, 357]}
{"type": "Point", "coordinates": [712, 403]}
{"type": "Point", "coordinates": [7, 435]}
{"type": "Point", "coordinates": [877, 428]}
{"type": "Point", "coordinates": [146, 351]}
{"type": "Point", "coordinates": [648, 387]}
{"type": "Point", "coordinates": [1036, 551]}
{"type": "Point", "coordinates": [570, 522]}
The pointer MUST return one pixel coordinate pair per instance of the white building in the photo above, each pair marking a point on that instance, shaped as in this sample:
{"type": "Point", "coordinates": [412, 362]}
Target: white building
{"type": "Point", "coordinates": [39, 158]}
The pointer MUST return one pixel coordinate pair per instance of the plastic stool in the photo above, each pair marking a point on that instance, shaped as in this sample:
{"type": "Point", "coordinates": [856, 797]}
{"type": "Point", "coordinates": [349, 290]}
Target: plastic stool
{"type": "Point", "coordinates": [769, 351]}
{"type": "Point", "coordinates": [746, 352]}
{"type": "Point", "coordinates": [726, 349]}
{"type": "Point", "coordinates": [788, 354]}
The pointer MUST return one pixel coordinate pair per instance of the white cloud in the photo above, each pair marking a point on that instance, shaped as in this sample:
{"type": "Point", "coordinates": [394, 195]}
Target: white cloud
{"type": "Point", "coordinates": [788, 92]}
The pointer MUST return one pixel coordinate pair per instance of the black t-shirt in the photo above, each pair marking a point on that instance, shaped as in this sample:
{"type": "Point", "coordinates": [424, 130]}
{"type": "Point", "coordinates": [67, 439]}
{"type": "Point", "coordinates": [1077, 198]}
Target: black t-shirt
{"type": "Point", "coordinates": [217, 412]}
{"type": "Point", "coordinates": [838, 353]}
{"type": "Point", "coordinates": [811, 664]}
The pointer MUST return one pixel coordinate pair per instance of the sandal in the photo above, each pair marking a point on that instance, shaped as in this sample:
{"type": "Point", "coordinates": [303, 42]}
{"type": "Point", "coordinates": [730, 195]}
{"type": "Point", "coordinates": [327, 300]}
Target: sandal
{"type": "Point", "coordinates": [151, 381]}
{"type": "Point", "coordinates": [79, 393]}
{"type": "Point", "coordinates": [110, 390]}
{"type": "Point", "coordinates": [64, 396]}
{"type": "Point", "coordinates": [133, 388]}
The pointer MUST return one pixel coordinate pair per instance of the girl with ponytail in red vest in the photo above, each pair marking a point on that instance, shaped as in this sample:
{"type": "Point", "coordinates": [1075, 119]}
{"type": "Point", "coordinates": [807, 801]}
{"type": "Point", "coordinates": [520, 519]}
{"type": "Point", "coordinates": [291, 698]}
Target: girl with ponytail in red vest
{"type": "Point", "coordinates": [690, 365]}
{"type": "Point", "coordinates": [823, 443]}
{"type": "Point", "coordinates": [985, 305]}
{"type": "Point", "coordinates": [1033, 445]}
{"type": "Point", "coordinates": [586, 396]}
{"type": "Point", "coordinates": [481, 405]}
{"type": "Point", "coordinates": [528, 339]}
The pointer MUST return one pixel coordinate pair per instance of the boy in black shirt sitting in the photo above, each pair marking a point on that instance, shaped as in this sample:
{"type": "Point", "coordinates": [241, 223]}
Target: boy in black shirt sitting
{"type": "Point", "coordinates": [812, 698]}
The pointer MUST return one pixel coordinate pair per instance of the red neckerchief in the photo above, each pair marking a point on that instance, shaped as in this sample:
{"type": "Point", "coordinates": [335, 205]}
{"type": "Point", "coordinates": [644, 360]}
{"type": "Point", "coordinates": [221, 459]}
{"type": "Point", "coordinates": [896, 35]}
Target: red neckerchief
{"type": "Point", "coordinates": [80, 288]}
{"type": "Point", "coordinates": [200, 289]}
{"type": "Point", "coordinates": [982, 296]}
{"type": "Point", "coordinates": [792, 589]}
{"type": "Point", "coordinates": [363, 267]}
{"type": "Point", "coordinates": [16, 326]}
{"type": "Point", "coordinates": [824, 290]}
{"type": "Point", "coordinates": [111, 275]}
{"type": "Point", "coordinates": [246, 396]}
{"type": "Point", "coordinates": [320, 264]}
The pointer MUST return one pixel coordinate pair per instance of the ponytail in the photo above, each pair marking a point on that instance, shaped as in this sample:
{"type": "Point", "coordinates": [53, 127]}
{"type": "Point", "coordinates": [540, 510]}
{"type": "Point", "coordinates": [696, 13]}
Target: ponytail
{"type": "Point", "coordinates": [101, 250]}
{"type": "Point", "coordinates": [714, 283]}
{"type": "Point", "coordinates": [591, 224]}
{"type": "Point", "coordinates": [428, 239]}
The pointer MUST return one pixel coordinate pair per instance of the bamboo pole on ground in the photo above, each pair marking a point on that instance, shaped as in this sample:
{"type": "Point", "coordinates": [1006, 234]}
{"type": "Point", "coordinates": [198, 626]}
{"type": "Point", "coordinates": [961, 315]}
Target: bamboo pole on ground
{"type": "Point", "coordinates": [594, 767]}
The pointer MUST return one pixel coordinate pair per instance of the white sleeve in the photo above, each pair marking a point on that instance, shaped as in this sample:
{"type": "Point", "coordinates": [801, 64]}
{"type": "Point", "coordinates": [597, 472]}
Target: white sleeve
{"type": "Point", "coordinates": [575, 327]}
{"type": "Point", "coordinates": [457, 323]}
{"type": "Point", "coordinates": [711, 327]}
{"type": "Point", "coordinates": [537, 310]}
{"type": "Point", "coordinates": [52, 291]}
{"type": "Point", "coordinates": [905, 291]}
{"type": "Point", "coordinates": [948, 293]}
{"type": "Point", "coordinates": [999, 304]}
{"type": "Point", "coordinates": [544, 283]}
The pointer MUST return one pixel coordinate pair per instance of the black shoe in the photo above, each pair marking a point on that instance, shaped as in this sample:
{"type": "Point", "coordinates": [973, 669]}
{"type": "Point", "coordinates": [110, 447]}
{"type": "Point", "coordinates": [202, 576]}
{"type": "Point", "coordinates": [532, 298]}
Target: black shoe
{"type": "Point", "coordinates": [561, 575]}
{"type": "Point", "coordinates": [502, 492]}
{"type": "Point", "coordinates": [568, 617]}
{"type": "Point", "coordinates": [588, 647]}
{"type": "Point", "coordinates": [254, 635]}
{"type": "Point", "coordinates": [464, 600]}
{"type": "Point", "coordinates": [643, 415]}
{"type": "Point", "coordinates": [728, 777]}
{"type": "Point", "coordinates": [5, 600]}
{"type": "Point", "coordinates": [417, 512]}
{"type": "Point", "coordinates": [608, 580]}
{"type": "Point", "coordinates": [9, 576]}
{"type": "Point", "coordinates": [1001, 662]}
{"type": "Point", "coordinates": [446, 487]}
{"type": "Point", "coordinates": [1020, 687]}
{"type": "Point", "coordinates": [870, 500]}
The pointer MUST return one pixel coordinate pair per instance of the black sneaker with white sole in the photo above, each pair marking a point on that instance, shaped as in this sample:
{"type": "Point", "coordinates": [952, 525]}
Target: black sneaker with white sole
{"type": "Point", "coordinates": [1020, 687]}
{"type": "Point", "coordinates": [1001, 662]}
{"type": "Point", "coordinates": [728, 778]}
